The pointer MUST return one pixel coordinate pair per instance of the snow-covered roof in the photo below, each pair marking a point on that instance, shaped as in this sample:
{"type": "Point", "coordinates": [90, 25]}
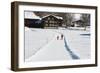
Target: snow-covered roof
{"type": "Point", "coordinates": [58, 17]}
{"type": "Point", "coordinates": [31, 15]}
{"type": "Point", "coordinates": [27, 29]}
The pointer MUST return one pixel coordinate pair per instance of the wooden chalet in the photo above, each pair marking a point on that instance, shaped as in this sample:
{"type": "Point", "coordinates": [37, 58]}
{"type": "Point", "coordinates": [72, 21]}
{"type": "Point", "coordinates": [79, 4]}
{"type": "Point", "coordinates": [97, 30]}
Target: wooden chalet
{"type": "Point", "coordinates": [52, 21]}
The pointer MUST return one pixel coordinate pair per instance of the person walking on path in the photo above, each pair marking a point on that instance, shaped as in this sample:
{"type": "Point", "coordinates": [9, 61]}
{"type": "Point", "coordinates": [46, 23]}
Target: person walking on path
{"type": "Point", "coordinates": [62, 36]}
{"type": "Point", "coordinates": [57, 37]}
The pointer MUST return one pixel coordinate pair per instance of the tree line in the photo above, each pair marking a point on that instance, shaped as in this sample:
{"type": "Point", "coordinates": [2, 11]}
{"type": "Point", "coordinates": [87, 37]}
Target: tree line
{"type": "Point", "coordinates": [68, 18]}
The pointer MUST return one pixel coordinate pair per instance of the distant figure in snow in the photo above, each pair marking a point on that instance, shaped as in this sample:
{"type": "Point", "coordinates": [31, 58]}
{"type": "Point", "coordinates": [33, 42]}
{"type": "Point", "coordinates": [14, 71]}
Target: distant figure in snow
{"type": "Point", "coordinates": [57, 37]}
{"type": "Point", "coordinates": [62, 36]}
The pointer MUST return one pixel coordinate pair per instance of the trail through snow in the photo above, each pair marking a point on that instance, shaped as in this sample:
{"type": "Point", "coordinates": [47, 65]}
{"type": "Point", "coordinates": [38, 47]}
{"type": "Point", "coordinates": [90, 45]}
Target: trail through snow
{"type": "Point", "coordinates": [55, 50]}
{"type": "Point", "coordinates": [75, 45]}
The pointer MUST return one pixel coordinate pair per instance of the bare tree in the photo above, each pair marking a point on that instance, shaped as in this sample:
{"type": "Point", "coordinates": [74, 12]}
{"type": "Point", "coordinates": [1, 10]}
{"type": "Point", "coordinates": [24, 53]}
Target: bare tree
{"type": "Point", "coordinates": [86, 19]}
{"type": "Point", "coordinates": [67, 19]}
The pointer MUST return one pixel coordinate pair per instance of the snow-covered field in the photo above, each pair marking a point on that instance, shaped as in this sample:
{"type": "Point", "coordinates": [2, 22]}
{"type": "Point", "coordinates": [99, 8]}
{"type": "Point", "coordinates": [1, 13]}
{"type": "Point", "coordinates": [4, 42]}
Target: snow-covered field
{"type": "Point", "coordinates": [35, 39]}
{"type": "Point", "coordinates": [42, 44]}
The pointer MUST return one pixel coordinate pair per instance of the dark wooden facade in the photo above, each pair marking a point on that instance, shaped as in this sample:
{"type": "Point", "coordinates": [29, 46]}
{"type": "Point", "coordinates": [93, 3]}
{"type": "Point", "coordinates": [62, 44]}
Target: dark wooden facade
{"type": "Point", "coordinates": [51, 21]}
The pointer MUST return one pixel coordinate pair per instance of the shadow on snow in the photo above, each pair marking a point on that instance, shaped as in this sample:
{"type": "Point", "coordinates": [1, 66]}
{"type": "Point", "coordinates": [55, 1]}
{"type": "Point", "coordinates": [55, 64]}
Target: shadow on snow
{"type": "Point", "coordinates": [85, 34]}
{"type": "Point", "coordinates": [72, 54]}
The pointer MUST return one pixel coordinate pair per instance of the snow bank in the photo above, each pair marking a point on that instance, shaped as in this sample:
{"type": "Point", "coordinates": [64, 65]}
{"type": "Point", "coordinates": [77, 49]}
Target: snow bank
{"type": "Point", "coordinates": [79, 43]}
{"type": "Point", "coordinates": [35, 39]}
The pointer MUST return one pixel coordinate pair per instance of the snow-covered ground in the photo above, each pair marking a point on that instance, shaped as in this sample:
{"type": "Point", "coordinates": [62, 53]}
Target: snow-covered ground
{"type": "Point", "coordinates": [78, 41]}
{"type": "Point", "coordinates": [42, 44]}
{"type": "Point", "coordinates": [35, 39]}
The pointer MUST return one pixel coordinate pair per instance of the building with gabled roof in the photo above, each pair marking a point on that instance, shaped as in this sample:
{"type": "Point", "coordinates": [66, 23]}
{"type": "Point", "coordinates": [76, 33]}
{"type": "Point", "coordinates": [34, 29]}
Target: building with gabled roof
{"type": "Point", "coordinates": [52, 21]}
{"type": "Point", "coordinates": [78, 23]}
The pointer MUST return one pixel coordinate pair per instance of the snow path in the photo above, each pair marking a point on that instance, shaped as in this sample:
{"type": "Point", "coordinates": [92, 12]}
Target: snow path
{"type": "Point", "coordinates": [78, 41]}
{"type": "Point", "coordinates": [55, 50]}
{"type": "Point", "coordinates": [75, 45]}
{"type": "Point", "coordinates": [72, 54]}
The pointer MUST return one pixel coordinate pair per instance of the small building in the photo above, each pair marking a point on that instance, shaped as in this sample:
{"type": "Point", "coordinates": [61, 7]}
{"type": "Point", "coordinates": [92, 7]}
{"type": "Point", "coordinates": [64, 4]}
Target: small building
{"type": "Point", "coordinates": [52, 21]}
{"type": "Point", "coordinates": [33, 21]}
{"type": "Point", "coordinates": [78, 23]}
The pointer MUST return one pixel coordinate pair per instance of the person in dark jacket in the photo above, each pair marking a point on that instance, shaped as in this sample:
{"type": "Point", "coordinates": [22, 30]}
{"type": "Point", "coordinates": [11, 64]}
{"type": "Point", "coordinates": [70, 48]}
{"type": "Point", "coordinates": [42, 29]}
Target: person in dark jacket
{"type": "Point", "coordinates": [62, 36]}
{"type": "Point", "coordinates": [57, 37]}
